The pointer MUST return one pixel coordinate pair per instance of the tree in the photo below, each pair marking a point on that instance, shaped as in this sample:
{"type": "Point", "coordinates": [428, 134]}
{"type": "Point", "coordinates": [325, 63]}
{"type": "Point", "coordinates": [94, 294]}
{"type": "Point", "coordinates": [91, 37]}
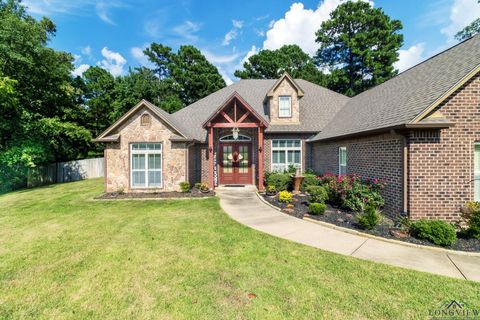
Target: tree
{"type": "Point", "coordinates": [186, 76]}
{"type": "Point", "coordinates": [38, 99]}
{"type": "Point", "coordinates": [469, 31]}
{"type": "Point", "coordinates": [271, 64]}
{"type": "Point", "coordinates": [359, 44]}
{"type": "Point", "coordinates": [99, 97]}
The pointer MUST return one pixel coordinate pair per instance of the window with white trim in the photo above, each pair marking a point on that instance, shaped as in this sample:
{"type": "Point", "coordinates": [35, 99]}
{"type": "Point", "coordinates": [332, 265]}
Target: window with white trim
{"type": "Point", "coordinates": [284, 106]}
{"type": "Point", "coordinates": [342, 160]}
{"type": "Point", "coordinates": [477, 173]}
{"type": "Point", "coordinates": [146, 165]}
{"type": "Point", "coordinates": [286, 152]}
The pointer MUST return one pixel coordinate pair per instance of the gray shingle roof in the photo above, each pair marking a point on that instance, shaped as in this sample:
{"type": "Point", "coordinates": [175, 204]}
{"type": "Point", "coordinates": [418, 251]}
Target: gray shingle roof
{"type": "Point", "coordinates": [401, 99]}
{"type": "Point", "coordinates": [317, 107]}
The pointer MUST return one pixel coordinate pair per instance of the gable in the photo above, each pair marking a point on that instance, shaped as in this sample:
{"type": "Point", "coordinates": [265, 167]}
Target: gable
{"type": "Point", "coordinates": [112, 133]}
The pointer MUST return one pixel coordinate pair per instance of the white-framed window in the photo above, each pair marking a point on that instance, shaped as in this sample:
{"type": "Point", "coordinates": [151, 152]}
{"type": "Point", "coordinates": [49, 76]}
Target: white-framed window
{"type": "Point", "coordinates": [476, 173]}
{"type": "Point", "coordinates": [284, 106]}
{"type": "Point", "coordinates": [342, 160]}
{"type": "Point", "coordinates": [286, 152]}
{"type": "Point", "coordinates": [146, 165]}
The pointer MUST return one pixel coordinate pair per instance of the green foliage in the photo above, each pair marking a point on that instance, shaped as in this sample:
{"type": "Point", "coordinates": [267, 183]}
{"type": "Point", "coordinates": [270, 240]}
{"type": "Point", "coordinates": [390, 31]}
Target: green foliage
{"type": "Point", "coordinates": [316, 208]}
{"type": "Point", "coordinates": [369, 219]}
{"type": "Point", "coordinates": [198, 185]}
{"type": "Point", "coordinates": [317, 194]}
{"type": "Point", "coordinates": [281, 181]}
{"type": "Point", "coordinates": [309, 179]}
{"type": "Point", "coordinates": [469, 31]}
{"type": "Point", "coordinates": [184, 186]}
{"type": "Point", "coordinates": [186, 75]}
{"type": "Point", "coordinates": [9, 110]}
{"type": "Point", "coordinates": [359, 44]}
{"type": "Point", "coordinates": [271, 64]}
{"type": "Point", "coordinates": [271, 189]}
{"type": "Point", "coordinates": [471, 216]}
{"type": "Point", "coordinates": [353, 193]}
{"type": "Point", "coordinates": [436, 231]}
{"type": "Point", "coordinates": [285, 196]}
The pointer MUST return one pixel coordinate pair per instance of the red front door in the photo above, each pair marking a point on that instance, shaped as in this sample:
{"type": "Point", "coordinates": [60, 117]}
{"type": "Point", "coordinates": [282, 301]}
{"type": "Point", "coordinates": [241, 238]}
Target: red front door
{"type": "Point", "coordinates": [235, 163]}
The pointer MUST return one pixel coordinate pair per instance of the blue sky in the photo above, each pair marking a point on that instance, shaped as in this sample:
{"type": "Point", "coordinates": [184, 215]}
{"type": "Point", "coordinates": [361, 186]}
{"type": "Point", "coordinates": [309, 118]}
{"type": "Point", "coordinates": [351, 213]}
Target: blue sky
{"type": "Point", "coordinates": [113, 33]}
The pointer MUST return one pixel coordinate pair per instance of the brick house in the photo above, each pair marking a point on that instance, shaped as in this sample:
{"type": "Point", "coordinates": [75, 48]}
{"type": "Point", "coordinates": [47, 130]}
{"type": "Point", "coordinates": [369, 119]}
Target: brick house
{"type": "Point", "coordinates": [420, 131]}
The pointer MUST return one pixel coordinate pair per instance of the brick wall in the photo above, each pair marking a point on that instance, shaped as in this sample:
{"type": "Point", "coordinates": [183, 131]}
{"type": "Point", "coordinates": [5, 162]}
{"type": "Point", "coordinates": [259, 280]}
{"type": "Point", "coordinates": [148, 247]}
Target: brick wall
{"type": "Point", "coordinates": [378, 156]}
{"type": "Point", "coordinates": [267, 146]}
{"type": "Point", "coordinates": [441, 162]}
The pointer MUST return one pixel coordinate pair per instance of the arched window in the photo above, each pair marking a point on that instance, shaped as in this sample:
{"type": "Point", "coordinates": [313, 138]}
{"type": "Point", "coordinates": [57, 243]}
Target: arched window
{"type": "Point", "coordinates": [145, 120]}
{"type": "Point", "coordinates": [229, 138]}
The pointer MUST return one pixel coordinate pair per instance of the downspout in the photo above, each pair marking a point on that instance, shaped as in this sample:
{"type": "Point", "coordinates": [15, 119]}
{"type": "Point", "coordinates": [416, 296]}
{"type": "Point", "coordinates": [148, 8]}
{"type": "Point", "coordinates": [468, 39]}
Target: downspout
{"type": "Point", "coordinates": [405, 175]}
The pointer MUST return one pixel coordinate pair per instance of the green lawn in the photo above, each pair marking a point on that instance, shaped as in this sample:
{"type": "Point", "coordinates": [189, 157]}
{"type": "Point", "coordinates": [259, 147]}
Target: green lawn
{"type": "Point", "coordinates": [64, 255]}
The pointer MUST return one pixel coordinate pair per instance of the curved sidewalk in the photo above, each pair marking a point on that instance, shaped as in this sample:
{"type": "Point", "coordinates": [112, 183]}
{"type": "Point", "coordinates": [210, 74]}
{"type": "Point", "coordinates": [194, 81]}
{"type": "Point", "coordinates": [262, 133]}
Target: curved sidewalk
{"type": "Point", "coordinates": [243, 205]}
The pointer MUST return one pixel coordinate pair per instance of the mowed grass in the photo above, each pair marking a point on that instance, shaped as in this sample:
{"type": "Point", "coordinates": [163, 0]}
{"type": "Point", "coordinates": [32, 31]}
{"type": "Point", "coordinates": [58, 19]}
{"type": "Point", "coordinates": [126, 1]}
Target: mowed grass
{"type": "Point", "coordinates": [65, 255]}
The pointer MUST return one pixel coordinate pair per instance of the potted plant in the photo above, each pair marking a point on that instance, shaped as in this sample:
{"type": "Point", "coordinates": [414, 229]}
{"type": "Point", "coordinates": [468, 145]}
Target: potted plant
{"type": "Point", "coordinates": [204, 188]}
{"type": "Point", "coordinates": [271, 190]}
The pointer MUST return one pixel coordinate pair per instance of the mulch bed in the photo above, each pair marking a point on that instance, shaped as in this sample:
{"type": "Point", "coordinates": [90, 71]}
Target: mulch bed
{"type": "Point", "coordinates": [156, 195]}
{"type": "Point", "coordinates": [342, 218]}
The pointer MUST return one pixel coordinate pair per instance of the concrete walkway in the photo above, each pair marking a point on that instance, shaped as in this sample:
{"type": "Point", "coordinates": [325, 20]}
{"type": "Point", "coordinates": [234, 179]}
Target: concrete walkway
{"type": "Point", "coordinates": [243, 205]}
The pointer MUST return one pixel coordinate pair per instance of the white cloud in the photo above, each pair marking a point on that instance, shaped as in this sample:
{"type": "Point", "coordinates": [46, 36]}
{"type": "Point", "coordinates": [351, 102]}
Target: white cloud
{"type": "Point", "coordinates": [220, 59]}
{"type": "Point", "coordinates": [410, 57]}
{"type": "Point", "coordinates": [299, 26]}
{"type": "Point", "coordinates": [233, 33]}
{"type": "Point", "coordinates": [80, 70]}
{"type": "Point", "coordinates": [250, 53]}
{"type": "Point", "coordinates": [101, 9]}
{"type": "Point", "coordinates": [187, 30]}
{"type": "Point", "coordinates": [86, 51]}
{"type": "Point", "coordinates": [139, 56]}
{"type": "Point", "coordinates": [462, 13]}
{"type": "Point", "coordinates": [77, 58]}
{"type": "Point", "coordinates": [113, 62]}
{"type": "Point", "coordinates": [225, 76]}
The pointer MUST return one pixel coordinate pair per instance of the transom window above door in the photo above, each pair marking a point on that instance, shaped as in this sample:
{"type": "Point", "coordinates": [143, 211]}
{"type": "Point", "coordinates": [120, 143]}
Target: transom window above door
{"type": "Point", "coordinates": [286, 153]}
{"type": "Point", "coordinates": [284, 106]}
{"type": "Point", "coordinates": [146, 165]}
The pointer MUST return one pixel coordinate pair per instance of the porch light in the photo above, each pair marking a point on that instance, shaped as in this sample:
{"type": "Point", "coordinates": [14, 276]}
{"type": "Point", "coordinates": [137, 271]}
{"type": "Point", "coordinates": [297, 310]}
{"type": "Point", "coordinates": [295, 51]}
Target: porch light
{"type": "Point", "coordinates": [235, 133]}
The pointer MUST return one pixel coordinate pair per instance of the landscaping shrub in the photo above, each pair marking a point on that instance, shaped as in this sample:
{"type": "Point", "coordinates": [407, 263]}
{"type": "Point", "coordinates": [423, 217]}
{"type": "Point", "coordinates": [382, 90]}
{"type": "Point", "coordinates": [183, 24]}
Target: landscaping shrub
{"type": "Point", "coordinates": [285, 196]}
{"type": "Point", "coordinates": [316, 208]}
{"type": "Point", "coordinates": [352, 192]}
{"type": "Point", "coordinates": [309, 180]}
{"type": "Point", "coordinates": [370, 219]}
{"type": "Point", "coordinates": [281, 181]}
{"type": "Point", "coordinates": [185, 186]}
{"type": "Point", "coordinates": [471, 216]}
{"type": "Point", "coordinates": [436, 231]}
{"type": "Point", "coordinates": [271, 189]}
{"type": "Point", "coordinates": [198, 185]}
{"type": "Point", "coordinates": [317, 194]}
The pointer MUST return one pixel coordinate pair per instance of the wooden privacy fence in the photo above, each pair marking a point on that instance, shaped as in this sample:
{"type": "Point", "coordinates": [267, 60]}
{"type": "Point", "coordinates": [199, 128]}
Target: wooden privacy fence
{"type": "Point", "coordinates": [65, 172]}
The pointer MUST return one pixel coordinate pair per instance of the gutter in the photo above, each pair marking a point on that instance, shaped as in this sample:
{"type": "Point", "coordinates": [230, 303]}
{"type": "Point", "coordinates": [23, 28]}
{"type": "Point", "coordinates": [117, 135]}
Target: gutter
{"type": "Point", "coordinates": [407, 126]}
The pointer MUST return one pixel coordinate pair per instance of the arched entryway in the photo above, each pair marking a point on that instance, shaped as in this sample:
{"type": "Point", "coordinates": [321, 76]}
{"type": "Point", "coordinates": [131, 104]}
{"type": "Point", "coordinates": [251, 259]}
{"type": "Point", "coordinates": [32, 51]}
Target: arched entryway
{"type": "Point", "coordinates": [231, 156]}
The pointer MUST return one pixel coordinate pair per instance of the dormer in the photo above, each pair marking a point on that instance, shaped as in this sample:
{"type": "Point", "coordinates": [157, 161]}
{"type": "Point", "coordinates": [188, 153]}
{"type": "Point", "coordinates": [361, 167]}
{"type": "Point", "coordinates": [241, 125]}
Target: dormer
{"type": "Point", "coordinates": [283, 101]}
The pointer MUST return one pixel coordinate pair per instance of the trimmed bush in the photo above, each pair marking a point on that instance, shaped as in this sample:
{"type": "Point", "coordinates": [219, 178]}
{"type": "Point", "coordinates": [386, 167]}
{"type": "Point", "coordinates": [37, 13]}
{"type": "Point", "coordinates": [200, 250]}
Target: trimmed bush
{"type": "Point", "coordinates": [198, 185]}
{"type": "Point", "coordinates": [285, 196]}
{"type": "Point", "coordinates": [184, 186]}
{"type": "Point", "coordinates": [317, 208]}
{"type": "Point", "coordinates": [436, 231]}
{"type": "Point", "coordinates": [281, 181]}
{"type": "Point", "coordinates": [317, 194]}
{"type": "Point", "coordinates": [353, 193]}
{"type": "Point", "coordinates": [471, 216]}
{"type": "Point", "coordinates": [309, 180]}
{"type": "Point", "coordinates": [370, 219]}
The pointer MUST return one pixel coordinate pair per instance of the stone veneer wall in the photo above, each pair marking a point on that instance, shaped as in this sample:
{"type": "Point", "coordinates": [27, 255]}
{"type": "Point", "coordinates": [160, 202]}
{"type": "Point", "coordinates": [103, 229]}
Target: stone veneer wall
{"type": "Point", "coordinates": [441, 168]}
{"type": "Point", "coordinates": [285, 88]}
{"type": "Point", "coordinates": [375, 157]}
{"type": "Point", "coordinates": [117, 155]}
